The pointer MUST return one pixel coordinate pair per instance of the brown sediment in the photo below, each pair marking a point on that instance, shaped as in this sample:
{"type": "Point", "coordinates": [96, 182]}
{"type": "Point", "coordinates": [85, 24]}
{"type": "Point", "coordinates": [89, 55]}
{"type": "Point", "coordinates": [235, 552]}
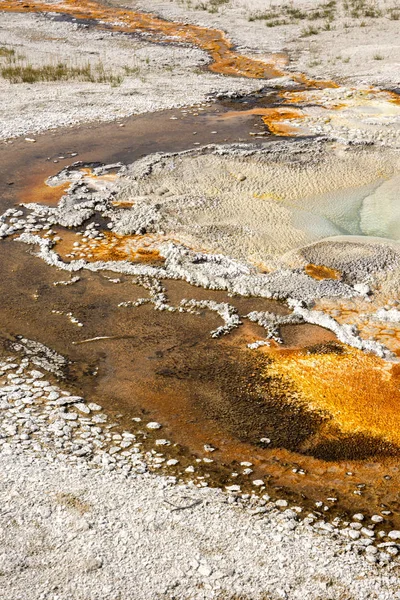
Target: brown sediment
{"type": "Point", "coordinates": [320, 272]}
{"type": "Point", "coordinates": [166, 367]}
{"type": "Point", "coordinates": [36, 190]}
{"type": "Point", "coordinates": [302, 336]}
{"type": "Point", "coordinates": [213, 41]}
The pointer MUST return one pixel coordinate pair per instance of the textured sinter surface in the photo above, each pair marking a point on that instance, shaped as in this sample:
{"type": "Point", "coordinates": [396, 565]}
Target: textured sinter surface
{"type": "Point", "coordinates": [164, 218]}
{"type": "Point", "coordinates": [254, 205]}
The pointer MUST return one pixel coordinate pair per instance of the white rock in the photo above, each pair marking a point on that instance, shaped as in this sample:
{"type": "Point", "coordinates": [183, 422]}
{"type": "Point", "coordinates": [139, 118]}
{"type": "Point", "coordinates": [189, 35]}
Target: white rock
{"type": "Point", "coordinates": [281, 503]}
{"type": "Point", "coordinates": [209, 448]}
{"type": "Point", "coordinates": [358, 517]}
{"type": "Point", "coordinates": [69, 416]}
{"type": "Point", "coordinates": [394, 534]}
{"type": "Point", "coordinates": [68, 400]}
{"type": "Point", "coordinates": [205, 570]}
{"type": "Point", "coordinates": [367, 532]}
{"type": "Point", "coordinates": [377, 519]}
{"type": "Point", "coordinates": [153, 425]}
{"type": "Point", "coordinates": [82, 408]}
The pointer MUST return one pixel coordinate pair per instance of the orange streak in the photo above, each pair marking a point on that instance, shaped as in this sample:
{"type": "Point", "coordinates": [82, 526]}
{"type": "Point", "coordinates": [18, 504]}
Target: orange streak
{"type": "Point", "coordinates": [320, 272]}
{"type": "Point", "coordinates": [359, 391]}
{"type": "Point", "coordinates": [213, 41]}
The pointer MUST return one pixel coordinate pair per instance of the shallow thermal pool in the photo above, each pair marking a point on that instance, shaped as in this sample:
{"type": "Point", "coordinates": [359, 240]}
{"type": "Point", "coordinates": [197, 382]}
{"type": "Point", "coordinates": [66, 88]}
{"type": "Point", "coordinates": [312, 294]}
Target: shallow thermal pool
{"type": "Point", "coordinates": [256, 205]}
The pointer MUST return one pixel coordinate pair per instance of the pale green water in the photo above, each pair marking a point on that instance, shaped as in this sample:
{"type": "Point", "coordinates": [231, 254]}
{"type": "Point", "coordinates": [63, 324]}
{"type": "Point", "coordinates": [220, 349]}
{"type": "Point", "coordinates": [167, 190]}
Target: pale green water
{"type": "Point", "coordinates": [372, 210]}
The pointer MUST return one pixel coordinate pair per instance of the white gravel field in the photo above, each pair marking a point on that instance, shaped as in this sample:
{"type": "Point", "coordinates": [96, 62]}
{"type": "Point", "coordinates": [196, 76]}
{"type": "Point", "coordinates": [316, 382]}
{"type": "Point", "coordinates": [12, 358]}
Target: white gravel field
{"type": "Point", "coordinates": [161, 77]}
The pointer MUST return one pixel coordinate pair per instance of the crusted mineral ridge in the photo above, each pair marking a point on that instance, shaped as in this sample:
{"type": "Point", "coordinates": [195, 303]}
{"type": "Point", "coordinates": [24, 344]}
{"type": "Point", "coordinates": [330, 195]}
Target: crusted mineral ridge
{"type": "Point", "coordinates": [287, 281]}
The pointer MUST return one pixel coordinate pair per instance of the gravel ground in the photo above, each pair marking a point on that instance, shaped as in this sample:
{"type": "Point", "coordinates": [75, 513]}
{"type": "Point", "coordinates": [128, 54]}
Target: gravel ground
{"type": "Point", "coordinates": [161, 77]}
{"type": "Point", "coordinates": [361, 50]}
{"type": "Point", "coordinates": [64, 539]}
{"type": "Point", "coordinates": [83, 517]}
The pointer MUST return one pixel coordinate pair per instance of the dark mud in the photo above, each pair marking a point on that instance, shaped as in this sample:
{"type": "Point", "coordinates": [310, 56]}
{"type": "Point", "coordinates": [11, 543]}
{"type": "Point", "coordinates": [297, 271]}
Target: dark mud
{"type": "Point", "coordinates": [166, 367]}
{"type": "Point", "coordinates": [24, 165]}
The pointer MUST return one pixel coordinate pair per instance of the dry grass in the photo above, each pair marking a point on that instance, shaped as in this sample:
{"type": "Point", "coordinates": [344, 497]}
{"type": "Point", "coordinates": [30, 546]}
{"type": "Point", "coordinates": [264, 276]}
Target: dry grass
{"type": "Point", "coordinates": [6, 52]}
{"type": "Point", "coordinates": [72, 502]}
{"type": "Point", "coordinates": [308, 31]}
{"type": "Point", "coordinates": [287, 14]}
{"type": "Point", "coordinates": [27, 73]}
{"type": "Point", "coordinates": [16, 68]}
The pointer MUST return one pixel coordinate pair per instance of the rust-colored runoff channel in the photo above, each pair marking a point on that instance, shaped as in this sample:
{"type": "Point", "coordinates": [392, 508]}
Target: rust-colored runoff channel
{"type": "Point", "coordinates": [225, 59]}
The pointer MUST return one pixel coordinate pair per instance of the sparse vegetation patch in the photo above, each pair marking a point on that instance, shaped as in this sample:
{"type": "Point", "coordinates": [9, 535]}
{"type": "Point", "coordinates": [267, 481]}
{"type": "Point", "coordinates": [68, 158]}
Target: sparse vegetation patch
{"type": "Point", "coordinates": [27, 73]}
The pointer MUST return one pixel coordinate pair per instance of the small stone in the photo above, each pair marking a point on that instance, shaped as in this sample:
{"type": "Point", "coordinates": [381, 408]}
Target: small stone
{"type": "Point", "coordinates": [377, 519]}
{"type": "Point", "coordinates": [69, 416]}
{"type": "Point", "coordinates": [82, 408]}
{"type": "Point", "coordinates": [394, 534]}
{"type": "Point", "coordinates": [153, 425]}
{"type": "Point", "coordinates": [93, 406]}
{"type": "Point", "coordinates": [371, 550]}
{"type": "Point", "coordinates": [99, 418]}
{"type": "Point", "coordinates": [384, 557]}
{"type": "Point", "coordinates": [258, 482]}
{"type": "Point", "coordinates": [232, 488]}
{"type": "Point", "coordinates": [281, 503]}
{"type": "Point", "coordinates": [36, 374]}
{"type": "Point", "coordinates": [64, 400]}
{"type": "Point", "coordinates": [358, 517]}
{"type": "Point", "coordinates": [265, 440]}
{"type": "Point", "coordinates": [162, 442]}
{"type": "Point", "coordinates": [367, 532]}
{"type": "Point", "coordinates": [92, 564]}
{"type": "Point", "coordinates": [205, 570]}
{"type": "Point", "coordinates": [172, 462]}
{"type": "Point", "coordinates": [209, 448]}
